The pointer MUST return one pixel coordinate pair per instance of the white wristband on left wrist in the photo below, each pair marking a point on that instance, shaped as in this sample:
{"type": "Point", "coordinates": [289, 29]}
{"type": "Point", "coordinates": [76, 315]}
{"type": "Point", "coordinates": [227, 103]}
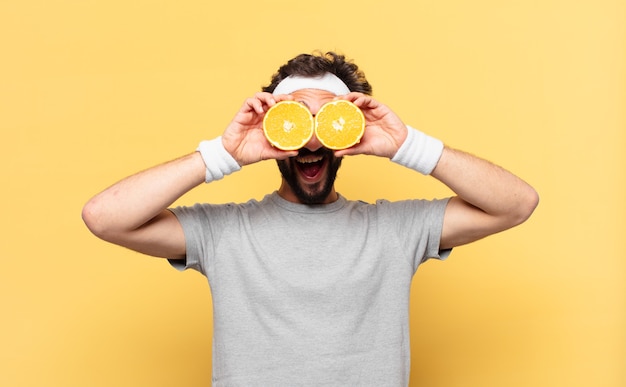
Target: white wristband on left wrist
{"type": "Point", "coordinates": [419, 152]}
{"type": "Point", "coordinates": [218, 161]}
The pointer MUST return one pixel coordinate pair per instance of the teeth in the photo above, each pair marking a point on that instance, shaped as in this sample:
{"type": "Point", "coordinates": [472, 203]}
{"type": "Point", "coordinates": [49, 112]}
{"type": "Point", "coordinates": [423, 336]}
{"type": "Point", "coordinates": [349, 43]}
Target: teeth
{"type": "Point", "coordinates": [309, 159]}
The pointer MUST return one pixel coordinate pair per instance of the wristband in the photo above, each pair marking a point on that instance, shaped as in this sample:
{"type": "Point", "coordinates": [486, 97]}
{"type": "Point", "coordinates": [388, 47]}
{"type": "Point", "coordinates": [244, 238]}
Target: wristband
{"type": "Point", "coordinates": [419, 152]}
{"type": "Point", "coordinates": [218, 161]}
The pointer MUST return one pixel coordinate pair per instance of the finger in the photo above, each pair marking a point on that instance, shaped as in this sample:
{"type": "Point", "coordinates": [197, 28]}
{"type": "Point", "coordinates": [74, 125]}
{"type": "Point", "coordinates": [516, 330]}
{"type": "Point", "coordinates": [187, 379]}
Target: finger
{"type": "Point", "coordinates": [352, 151]}
{"type": "Point", "coordinates": [265, 97]}
{"type": "Point", "coordinates": [361, 100]}
{"type": "Point", "coordinates": [352, 96]}
{"type": "Point", "coordinates": [283, 97]}
{"type": "Point", "coordinates": [365, 102]}
{"type": "Point", "coordinates": [264, 101]}
{"type": "Point", "coordinates": [283, 155]}
{"type": "Point", "coordinates": [346, 152]}
{"type": "Point", "coordinates": [253, 104]}
{"type": "Point", "coordinates": [278, 154]}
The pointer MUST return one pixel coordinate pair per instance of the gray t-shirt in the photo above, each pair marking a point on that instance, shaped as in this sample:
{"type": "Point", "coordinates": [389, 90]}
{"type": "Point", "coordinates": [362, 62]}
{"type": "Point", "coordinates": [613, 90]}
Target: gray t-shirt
{"type": "Point", "coordinates": [311, 295]}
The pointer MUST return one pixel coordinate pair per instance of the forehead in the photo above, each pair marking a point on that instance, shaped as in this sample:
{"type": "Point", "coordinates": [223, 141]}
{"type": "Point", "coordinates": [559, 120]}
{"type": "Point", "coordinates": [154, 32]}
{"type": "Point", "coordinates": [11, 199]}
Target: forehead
{"type": "Point", "coordinates": [312, 96]}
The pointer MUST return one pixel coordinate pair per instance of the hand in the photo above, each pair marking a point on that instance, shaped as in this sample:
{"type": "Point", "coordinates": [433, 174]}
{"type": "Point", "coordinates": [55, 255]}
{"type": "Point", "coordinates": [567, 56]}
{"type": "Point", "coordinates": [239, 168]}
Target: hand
{"type": "Point", "coordinates": [384, 131]}
{"type": "Point", "coordinates": [244, 138]}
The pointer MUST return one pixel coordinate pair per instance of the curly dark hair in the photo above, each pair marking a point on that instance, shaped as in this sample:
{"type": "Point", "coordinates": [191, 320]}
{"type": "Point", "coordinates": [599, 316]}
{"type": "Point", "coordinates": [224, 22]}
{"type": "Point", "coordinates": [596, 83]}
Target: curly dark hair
{"type": "Point", "coordinates": [319, 63]}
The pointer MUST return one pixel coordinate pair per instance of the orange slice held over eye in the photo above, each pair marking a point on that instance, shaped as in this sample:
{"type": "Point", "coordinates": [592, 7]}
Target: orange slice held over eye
{"type": "Point", "coordinates": [289, 125]}
{"type": "Point", "coordinates": [339, 124]}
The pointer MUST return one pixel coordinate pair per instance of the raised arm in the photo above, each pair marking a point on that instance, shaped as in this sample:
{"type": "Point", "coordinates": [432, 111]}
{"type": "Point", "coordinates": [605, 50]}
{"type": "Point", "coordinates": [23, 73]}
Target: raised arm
{"type": "Point", "coordinates": [133, 212]}
{"type": "Point", "coordinates": [488, 198]}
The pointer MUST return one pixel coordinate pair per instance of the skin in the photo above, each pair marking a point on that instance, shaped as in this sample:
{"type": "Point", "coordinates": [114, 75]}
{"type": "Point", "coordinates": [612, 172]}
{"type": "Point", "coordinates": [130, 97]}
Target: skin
{"type": "Point", "coordinates": [133, 212]}
{"type": "Point", "coordinates": [311, 187]}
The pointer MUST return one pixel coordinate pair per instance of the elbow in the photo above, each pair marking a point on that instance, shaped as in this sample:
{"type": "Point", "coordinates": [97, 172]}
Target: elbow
{"type": "Point", "coordinates": [92, 215]}
{"type": "Point", "coordinates": [527, 204]}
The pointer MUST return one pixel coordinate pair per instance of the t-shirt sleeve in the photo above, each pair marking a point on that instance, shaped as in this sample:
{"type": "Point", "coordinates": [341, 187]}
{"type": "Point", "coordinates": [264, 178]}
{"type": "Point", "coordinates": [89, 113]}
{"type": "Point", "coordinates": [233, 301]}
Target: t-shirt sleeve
{"type": "Point", "coordinates": [417, 226]}
{"type": "Point", "coordinates": [197, 231]}
{"type": "Point", "coordinates": [435, 213]}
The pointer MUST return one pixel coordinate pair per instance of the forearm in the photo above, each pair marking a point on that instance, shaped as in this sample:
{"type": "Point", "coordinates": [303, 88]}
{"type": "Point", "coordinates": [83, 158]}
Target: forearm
{"type": "Point", "coordinates": [489, 198]}
{"type": "Point", "coordinates": [134, 201]}
{"type": "Point", "coordinates": [133, 212]}
{"type": "Point", "coordinates": [486, 186]}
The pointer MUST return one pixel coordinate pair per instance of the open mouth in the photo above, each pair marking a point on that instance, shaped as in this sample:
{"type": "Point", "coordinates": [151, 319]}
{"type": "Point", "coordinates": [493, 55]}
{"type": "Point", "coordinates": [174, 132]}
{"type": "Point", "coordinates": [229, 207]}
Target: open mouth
{"type": "Point", "coordinates": [311, 165]}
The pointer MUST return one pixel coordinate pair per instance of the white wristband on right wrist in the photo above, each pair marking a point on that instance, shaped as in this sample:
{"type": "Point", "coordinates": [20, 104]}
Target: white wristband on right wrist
{"type": "Point", "coordinates": [419, 152]}
{"type": "Point", "coordinates": [218, 161]}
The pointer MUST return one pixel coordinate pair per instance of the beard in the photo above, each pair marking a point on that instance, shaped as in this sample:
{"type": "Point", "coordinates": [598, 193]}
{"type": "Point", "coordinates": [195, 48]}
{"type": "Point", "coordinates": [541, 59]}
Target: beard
{"type": "Point", "coordinates": [319, 192]}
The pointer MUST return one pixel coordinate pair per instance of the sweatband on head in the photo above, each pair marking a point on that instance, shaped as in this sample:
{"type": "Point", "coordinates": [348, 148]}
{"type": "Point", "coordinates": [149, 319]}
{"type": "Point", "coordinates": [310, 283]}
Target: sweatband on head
{"type": "Point", "coordinates": [419, 152]}
{"type": "Point", "coordinates": [218, 161]}
{"type": "Point", "coordinates": [327, 82]}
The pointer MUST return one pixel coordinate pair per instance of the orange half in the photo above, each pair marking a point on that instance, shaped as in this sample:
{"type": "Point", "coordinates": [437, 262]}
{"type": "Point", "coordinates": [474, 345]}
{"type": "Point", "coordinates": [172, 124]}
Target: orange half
{"type": "Point", "coordinates": [339, 124]}
{"type": "Point", "coordinates": [288, 125]}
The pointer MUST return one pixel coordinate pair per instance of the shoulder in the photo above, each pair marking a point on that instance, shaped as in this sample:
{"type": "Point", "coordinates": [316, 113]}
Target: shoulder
{"type": "Point", "coordinates": [205, 212]}
{"type": "Point", "coordinates": [412, 205]}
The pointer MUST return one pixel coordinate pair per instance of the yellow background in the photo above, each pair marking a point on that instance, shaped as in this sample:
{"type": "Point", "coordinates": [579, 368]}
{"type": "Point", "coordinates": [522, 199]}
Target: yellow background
{"type": "Point", "coordinates": [92, 91]}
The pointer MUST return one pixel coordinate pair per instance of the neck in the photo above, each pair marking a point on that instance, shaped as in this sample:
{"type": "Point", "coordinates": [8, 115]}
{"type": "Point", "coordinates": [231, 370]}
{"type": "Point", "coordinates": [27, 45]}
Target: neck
{"type": "Point", "coordinates": [287, 193]}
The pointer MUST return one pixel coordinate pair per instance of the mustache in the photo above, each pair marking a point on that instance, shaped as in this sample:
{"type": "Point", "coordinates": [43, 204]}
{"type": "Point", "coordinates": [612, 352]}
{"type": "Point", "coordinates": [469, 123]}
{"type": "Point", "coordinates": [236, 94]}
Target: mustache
{"type": "Point", "coordinates": [320, 152]}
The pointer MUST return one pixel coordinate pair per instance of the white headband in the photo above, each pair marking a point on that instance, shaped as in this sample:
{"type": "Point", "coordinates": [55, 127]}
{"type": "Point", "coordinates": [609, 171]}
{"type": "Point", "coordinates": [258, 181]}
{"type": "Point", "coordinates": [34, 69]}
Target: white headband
{"type": "Point", "coordinates": [328, 82]}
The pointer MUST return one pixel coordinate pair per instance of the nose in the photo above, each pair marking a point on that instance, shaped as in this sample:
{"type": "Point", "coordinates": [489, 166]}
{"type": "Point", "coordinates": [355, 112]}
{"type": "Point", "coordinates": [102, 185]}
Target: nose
{"type": "Point", "coordinates": [313, 144]}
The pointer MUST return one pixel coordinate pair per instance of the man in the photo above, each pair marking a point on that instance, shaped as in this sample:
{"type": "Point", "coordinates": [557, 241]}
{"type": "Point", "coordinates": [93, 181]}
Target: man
{"type": "Point", "coordinates": [308, 287]}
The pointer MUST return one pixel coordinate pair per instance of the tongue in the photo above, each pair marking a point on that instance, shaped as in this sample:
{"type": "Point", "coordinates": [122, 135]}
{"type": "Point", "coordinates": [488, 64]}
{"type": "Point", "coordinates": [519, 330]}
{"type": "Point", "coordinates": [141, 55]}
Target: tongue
{"type": "Point", "coordinates": [310, 169]}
